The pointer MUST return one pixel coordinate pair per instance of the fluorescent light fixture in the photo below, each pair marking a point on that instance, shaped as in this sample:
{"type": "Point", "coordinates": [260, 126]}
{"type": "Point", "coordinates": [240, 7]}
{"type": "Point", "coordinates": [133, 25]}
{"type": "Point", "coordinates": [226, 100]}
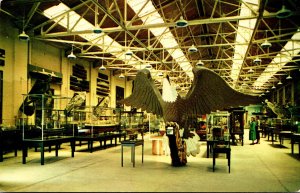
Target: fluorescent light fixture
{"type": "Point", "coordinates": [244, 33]}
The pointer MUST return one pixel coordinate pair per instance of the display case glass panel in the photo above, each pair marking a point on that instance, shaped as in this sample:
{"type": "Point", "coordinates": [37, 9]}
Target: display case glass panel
{"type": "Point", "coordinates": [218, 125]}
{"type": "Point", "coordinates": [44, 116]}
{"type": "Point", "coordinates": [93, 120]}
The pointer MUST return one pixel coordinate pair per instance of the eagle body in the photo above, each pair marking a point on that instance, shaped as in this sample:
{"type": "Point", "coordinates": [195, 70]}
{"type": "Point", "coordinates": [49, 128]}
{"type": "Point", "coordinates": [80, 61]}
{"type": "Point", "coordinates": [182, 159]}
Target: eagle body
{"type": "Point", "coordinates": [208, 93]}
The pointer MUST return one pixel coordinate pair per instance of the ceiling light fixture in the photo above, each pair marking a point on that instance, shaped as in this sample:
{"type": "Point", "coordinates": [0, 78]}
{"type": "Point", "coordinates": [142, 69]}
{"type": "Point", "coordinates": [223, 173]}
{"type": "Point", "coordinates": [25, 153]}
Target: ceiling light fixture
{"type": "Point", "coordinates": [266, 44]}
{"type": "Point", "coordinates": [280, 83]}
{"type": "Point", "coordinates": [23, 36]}
{"type": "Point", "coordinates": [71, 55]}
{"type": "Point", "coordinates": [148, 66]}
{"type": "Point", "coordinates": [257, 60]}
{"type": "Point", "coordinates": [128, 53]}
{"type": "Point", "coordinates": [250, 70]}
{"type": "Point", "coordinates": [273, 87]}
{"type": "Point", "coordinates": [200, 63]}
{"type": "Point", "coordinates": [289, 77]}
{"type": "Point", "coordinates": [102, 67]}
{"type": "Point", "coordinates": [267, 91]}
{"type": "Point", "coordinates": [160, 74]}
{"type": "Point", "coordinates": [121, 75]}
{"type": "Point", "coordinates": [246, 79]}
{"type": "Point", "coordinates": [192, 49]}
{"type": "Point", "coordinates": [181, 22]}
{"type": "Point", "coordinates": [97, 30]}
{"type": "Point", "coordinates": [283, 13]}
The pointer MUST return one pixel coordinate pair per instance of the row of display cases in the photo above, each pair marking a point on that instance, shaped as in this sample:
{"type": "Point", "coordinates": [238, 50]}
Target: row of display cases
{"type": "Point", "coordinates": [48, 117]}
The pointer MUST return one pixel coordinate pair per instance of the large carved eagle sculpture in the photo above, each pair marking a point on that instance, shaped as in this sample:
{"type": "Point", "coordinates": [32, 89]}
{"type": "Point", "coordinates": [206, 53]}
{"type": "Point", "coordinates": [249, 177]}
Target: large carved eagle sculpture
{"type": "Point", "coordinates": [208, 93]}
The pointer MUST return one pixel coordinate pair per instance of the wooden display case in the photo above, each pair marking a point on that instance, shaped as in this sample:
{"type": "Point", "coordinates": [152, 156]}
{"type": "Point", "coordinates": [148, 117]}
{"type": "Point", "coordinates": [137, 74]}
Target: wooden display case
{"type": "Point", "coordinates": [237, 126]}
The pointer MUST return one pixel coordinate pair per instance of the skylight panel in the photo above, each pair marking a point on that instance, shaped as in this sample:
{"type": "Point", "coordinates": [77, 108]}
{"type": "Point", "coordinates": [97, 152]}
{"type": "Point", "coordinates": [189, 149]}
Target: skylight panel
{"type": "Point", "coordinates": [106, 42]}
{"type": "Point", "coordinates": [244, 33]}
{"type": "Point", "coordinates": [280, 60]}
{"type": "Point", "coordinates": [145, 8]}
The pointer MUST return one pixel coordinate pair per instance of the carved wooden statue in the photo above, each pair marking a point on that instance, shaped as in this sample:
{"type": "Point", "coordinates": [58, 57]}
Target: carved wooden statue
{"type": "Point", "coordinates": [209, 92]}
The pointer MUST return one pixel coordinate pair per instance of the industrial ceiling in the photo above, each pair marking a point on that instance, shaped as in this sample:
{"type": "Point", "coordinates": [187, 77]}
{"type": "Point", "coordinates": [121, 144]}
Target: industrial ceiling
{"type": "Point", "coordinates": [252, 44]}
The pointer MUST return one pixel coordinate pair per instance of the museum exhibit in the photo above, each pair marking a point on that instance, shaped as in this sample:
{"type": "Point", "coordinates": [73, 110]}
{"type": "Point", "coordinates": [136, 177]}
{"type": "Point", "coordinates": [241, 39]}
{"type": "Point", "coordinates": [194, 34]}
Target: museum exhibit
{"type": "Point", "coordinates": [149, 96]}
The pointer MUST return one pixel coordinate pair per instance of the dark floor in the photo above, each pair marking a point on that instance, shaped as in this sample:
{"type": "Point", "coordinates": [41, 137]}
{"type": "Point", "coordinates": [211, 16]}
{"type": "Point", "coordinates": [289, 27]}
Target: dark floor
{"type": "Point", "coordinates": [254, 168]}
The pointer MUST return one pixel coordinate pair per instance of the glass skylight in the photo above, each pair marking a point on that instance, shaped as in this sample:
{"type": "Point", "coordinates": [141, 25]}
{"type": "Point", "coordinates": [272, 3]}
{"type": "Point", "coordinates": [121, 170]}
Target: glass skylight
{"type": "Point", "coordinates": [244, 33]}
{"type": "Point", "coordinates": [286, 55]}
{"type": "Point", "coordinates": [74, 21]}
{"type": "Point", "coordinates": [148, 14]}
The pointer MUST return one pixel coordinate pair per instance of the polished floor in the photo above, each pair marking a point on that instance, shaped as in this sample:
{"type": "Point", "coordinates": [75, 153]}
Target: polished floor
{"type": "Point", "coordinates": [254, 168]}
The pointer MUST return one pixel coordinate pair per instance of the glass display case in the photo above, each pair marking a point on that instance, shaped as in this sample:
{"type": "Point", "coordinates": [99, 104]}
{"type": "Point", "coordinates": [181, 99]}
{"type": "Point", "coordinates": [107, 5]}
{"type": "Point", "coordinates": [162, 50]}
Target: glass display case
{"type": "Point", "coordinates": [237, 126]}
{"type": "Point", "coordinates": [93, 120]}
{"type": "Point", "coordinates": [132, 119]}
{"type": "Point", "coordinates": [43, 116]}
{"type": "Point", "coordinates": [156, 124]}
{"type": "Point", "coordinates": [218, 124]}
{"type": "Point", "coordinates": [44, 119]}
{"type": "Point", "coordinates": [10, 137]}
{"type": "Point", "coordinates": [132, 122]}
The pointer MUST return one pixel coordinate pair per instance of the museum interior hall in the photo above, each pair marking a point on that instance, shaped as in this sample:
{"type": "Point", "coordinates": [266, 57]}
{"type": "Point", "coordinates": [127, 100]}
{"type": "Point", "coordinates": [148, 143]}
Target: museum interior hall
{"type": "Point", "coordinates": [149, 96]}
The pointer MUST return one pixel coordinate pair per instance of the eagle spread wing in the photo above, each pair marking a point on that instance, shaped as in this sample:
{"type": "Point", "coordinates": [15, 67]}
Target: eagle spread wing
{"type": "Point", "coordinates": [145, 94]}
{"type": "Point", "coordinates": [209, 92]}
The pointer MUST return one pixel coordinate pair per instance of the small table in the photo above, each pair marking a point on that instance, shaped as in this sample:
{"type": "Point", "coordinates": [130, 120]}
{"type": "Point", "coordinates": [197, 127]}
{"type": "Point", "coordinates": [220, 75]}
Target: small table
{"type": "Point", "coordinates": [132, 144]}
{"type": "Point", "coordinates": [224, 148]}
{"type": "Point", "coordinates": [284, 134]}
{"type": "Point", "coordinates": [47, 142]}
{"type": "Point", "coordinates": [295, 138]}
{"type": "Point", "coordinates": [210, 141]}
